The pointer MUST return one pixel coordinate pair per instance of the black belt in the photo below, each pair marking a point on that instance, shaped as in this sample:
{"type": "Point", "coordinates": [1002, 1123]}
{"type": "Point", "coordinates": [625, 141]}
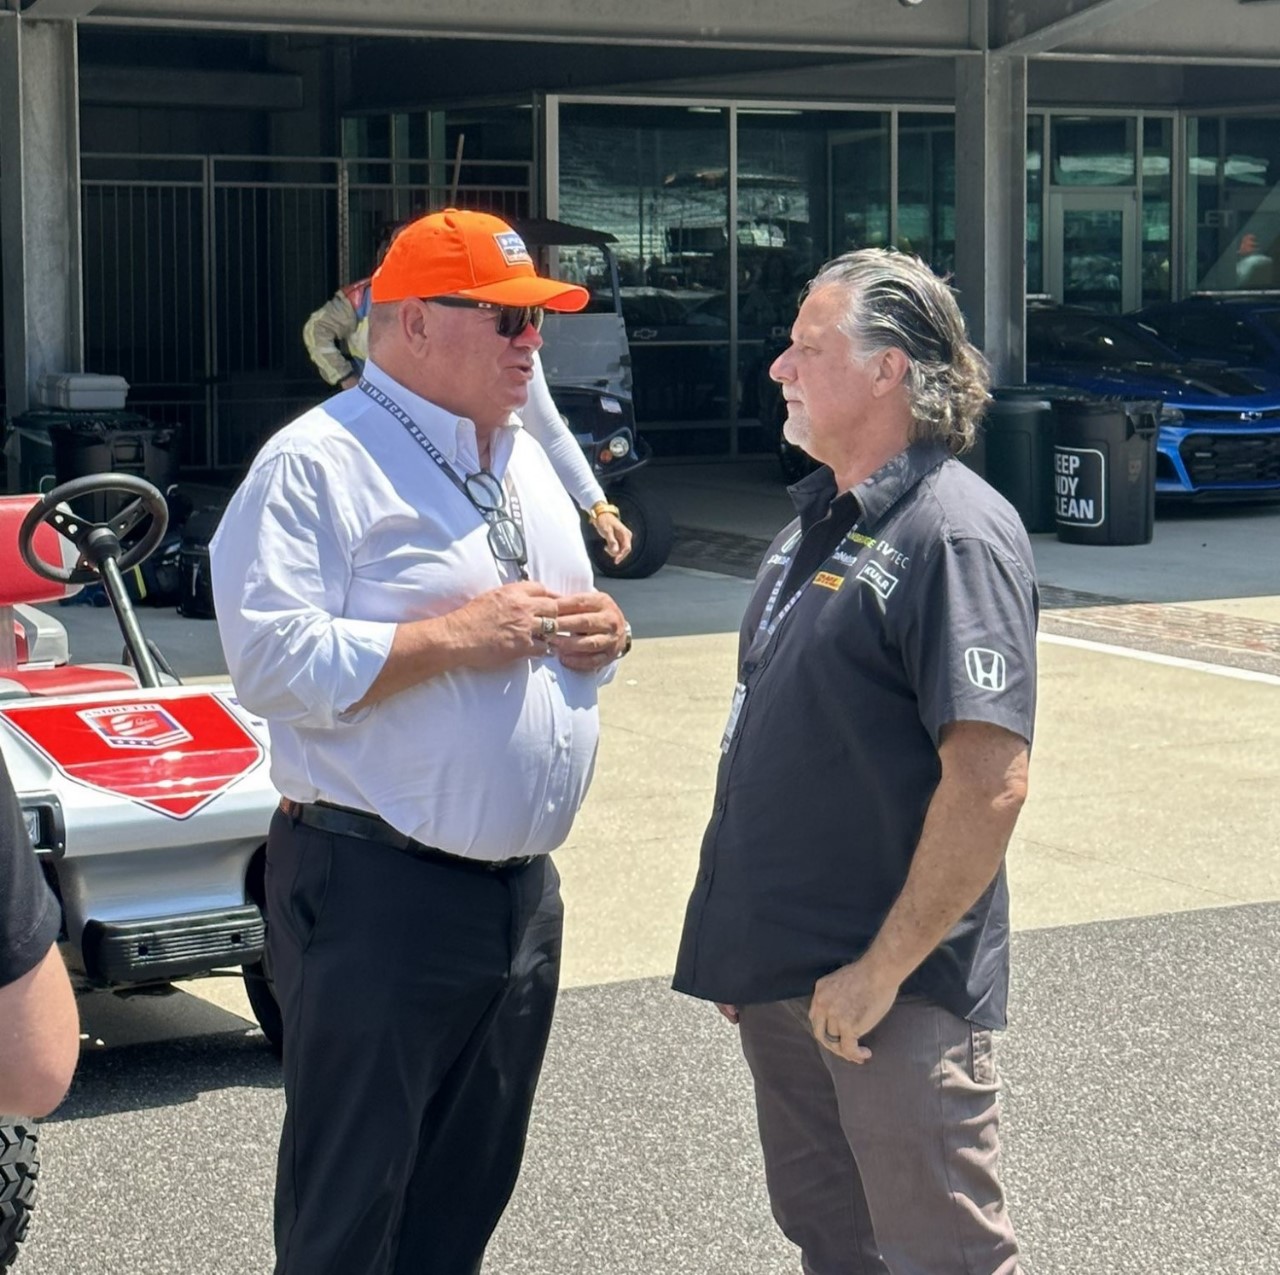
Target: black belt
{"type": "Point", "coordinates": [346, 822]}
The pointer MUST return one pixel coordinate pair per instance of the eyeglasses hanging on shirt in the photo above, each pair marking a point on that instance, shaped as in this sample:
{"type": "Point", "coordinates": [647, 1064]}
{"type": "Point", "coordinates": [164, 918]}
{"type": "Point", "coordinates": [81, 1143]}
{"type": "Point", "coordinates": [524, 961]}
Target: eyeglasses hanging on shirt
{"type": "Point", "coordinates": [506, 535]}
{"type": "Point", "coordinates": [485, 491]}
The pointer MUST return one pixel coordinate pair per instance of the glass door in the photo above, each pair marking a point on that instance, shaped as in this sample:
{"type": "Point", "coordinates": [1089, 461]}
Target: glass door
{"type": "Point", "coordinates": [1092, 257]}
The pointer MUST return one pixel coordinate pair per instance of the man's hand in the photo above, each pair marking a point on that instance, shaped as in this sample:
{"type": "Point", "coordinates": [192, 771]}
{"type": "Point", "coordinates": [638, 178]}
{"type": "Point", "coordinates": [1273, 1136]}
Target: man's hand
{"type": "Point", "coordinates": [616, 535]}
{"type": "Point", "coordinates": [591, 631]}
{"type": "Point", "coordinates": [489, 632]}
{"type": "Point", "coordinates": [847, 1004]}
{"type": "Point", "coordinates": [505, 624]}
{"type": "Point", "coordinates": [730, 1012]}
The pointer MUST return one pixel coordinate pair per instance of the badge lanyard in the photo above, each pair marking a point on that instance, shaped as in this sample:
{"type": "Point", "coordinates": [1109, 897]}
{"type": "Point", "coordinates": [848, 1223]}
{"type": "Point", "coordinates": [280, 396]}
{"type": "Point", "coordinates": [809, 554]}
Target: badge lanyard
{"type": "Point", "coordinates": [768, 626]}
{"type": "Point", "coordinates": [394, 409]}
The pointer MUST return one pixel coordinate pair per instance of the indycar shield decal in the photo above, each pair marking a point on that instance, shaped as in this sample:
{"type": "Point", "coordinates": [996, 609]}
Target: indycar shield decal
{"type": "Point", "coordinates": [174, 758]}
{"type": "Point", "coordinates": [135, 726]}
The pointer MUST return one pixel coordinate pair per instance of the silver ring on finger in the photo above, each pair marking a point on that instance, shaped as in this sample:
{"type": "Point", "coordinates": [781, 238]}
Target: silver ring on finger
{"type": "Point", "coordinates": [829, 1038]}
{"type": "Point", "coordinates": [546, 627]}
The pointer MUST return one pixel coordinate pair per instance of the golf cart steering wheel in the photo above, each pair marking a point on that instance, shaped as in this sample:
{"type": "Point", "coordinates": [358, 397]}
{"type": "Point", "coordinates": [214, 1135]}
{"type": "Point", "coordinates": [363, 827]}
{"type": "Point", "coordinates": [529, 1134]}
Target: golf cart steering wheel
{"type": "Point", "coordinates": [96, 541]}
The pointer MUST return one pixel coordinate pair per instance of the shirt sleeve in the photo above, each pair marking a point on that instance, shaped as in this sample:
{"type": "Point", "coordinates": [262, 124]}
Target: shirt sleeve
{"type": "Point", "coordinates": [543, 421]}
{"type": "Point", "coordinates": [969, 646]}
{"type": "Point", "coordinates": [335, 321]}
{"type": "Point", "coordinates": [29, 914]}
{"type": "Point", "coordinates": [281, 565]}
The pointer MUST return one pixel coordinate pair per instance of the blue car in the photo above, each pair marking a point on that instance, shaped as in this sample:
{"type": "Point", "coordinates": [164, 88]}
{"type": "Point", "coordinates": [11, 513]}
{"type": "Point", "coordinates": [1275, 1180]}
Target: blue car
{"type": "Point", "coordinates": [1219, 433]}
{"type": "Point", "coordinates": [1238, 329]}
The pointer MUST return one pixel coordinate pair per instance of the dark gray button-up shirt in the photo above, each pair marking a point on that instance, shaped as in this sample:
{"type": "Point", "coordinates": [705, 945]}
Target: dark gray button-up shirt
{"type": "Point", "coordinates": [879, 616]}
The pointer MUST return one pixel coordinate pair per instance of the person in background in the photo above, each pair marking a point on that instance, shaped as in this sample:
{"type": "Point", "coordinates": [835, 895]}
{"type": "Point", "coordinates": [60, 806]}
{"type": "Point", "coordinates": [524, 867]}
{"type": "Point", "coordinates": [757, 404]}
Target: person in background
{"type": "Point", "coordinates": [39, 1026]}
{"type": "Point", "coordinates": [403, 593]}
{"type": "Point", "coordinates": [1254, 268]}
{"type": "Point", "coordinates": [850, 912]}
{"type": "Point", "coordinates": [337, 336]}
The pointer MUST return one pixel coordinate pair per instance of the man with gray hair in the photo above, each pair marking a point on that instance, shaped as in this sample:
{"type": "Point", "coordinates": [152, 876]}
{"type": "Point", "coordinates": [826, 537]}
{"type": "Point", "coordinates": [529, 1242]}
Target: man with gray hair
{"type": "Point", "coordinates": [850, 911]}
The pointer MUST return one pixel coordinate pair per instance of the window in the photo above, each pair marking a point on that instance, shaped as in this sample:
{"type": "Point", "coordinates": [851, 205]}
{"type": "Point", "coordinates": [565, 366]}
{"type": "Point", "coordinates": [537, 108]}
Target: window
{"type": "Point", "coordinates": [1233, 203]}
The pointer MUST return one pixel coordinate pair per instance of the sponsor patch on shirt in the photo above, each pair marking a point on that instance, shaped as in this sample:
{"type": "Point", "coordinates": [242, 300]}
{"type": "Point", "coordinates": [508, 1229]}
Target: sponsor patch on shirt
{"type": "Point", "coordinates": [986, 668]}
{"type": "Point", "coordinates": [514, 253]}
{"type": "Point", "coordinates": [828, 580]}
{"type": "Point", "coordinates": [879, 579]}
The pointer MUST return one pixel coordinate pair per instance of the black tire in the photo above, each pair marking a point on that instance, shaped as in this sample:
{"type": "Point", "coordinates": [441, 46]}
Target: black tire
{"type": "Point", "coordinates": [652, 531]}
{"type": "Point", "coordinates": [19, 1169]}
{"type": "Point", "coordinates": [257, 977]}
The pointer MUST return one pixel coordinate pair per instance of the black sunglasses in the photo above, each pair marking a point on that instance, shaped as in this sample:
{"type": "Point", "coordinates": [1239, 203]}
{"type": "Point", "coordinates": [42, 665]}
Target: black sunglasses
{"type": "Point", "coordinates": [512, 319]}
{"type": "Point", "coordinates": [506, 539]}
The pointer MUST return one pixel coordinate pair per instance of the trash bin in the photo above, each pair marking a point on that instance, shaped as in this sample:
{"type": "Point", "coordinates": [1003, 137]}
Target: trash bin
{"type": "Point", "coordinates": [1104, 470]}
{"type": "Point", "coordinates": [109, 442]}
{"type": "Point", "coordinates": [976, 457]}
{"type": "Point", "coordinates": [1018, 436]}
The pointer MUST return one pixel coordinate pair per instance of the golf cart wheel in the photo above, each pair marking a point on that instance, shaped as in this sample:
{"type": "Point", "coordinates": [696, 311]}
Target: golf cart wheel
{"type": "Point", "coordinates": [19, 1169]}
{"type": "Point", "coordinates": [257, 977]}
{"type": "Point", "coordinates": [652, 531]}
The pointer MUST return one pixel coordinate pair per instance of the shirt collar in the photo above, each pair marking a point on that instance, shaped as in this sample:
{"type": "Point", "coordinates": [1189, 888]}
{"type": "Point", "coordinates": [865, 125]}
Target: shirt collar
{"type": "Point", "coordinates": [453, 436]}
{"type": "Point", "coordinates": [815, 494]}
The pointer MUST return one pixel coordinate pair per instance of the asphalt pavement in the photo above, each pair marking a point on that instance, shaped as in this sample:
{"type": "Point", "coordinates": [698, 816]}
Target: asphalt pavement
{"type": "Point", "coordinates": [1142, 1066]}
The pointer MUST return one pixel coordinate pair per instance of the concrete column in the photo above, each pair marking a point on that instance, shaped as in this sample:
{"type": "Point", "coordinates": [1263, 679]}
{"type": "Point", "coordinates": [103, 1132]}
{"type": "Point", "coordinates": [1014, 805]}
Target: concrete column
{"type": "Point", "coordinates": [39, 204]}
{"type": "Point", "coordinates": [991, 207]}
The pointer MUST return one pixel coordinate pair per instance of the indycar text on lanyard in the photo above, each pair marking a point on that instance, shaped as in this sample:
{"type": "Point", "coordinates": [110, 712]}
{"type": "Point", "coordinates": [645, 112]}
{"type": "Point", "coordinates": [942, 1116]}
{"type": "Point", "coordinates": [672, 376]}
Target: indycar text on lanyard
{"type": "Point", "coordinates": [770, 620]}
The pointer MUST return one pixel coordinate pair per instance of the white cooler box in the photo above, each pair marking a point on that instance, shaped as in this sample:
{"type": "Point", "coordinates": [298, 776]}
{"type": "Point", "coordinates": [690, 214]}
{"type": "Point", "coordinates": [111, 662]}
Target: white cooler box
{"type": "Point", "coordinates": [82, 391]}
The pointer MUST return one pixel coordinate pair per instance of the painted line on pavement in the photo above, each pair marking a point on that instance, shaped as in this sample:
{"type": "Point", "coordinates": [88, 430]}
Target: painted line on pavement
{"type": "Point", "coordinates": [1154, 657]}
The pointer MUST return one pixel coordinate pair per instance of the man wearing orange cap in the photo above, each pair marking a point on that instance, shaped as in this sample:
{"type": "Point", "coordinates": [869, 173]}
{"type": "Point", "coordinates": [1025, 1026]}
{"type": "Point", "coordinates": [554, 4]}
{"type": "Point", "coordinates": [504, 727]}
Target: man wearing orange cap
{"type": "Point", "coordinates": [403, 593]}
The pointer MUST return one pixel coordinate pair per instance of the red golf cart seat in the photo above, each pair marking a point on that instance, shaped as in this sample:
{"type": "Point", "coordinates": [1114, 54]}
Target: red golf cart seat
{"type": "Point", "coordinates": [19, 585]}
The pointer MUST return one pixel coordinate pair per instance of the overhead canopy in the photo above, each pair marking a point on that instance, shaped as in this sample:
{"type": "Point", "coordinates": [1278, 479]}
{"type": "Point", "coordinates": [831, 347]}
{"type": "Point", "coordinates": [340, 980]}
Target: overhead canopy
{"type": "Point", "coordinates": [546, 233]}
{"type": "Point", "coordinates": [1191, 30]}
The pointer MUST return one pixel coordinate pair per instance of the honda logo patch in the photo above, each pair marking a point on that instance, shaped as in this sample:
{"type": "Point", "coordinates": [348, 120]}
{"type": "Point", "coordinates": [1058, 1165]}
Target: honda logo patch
{"type": "Point", "coordinates": [986, 668]}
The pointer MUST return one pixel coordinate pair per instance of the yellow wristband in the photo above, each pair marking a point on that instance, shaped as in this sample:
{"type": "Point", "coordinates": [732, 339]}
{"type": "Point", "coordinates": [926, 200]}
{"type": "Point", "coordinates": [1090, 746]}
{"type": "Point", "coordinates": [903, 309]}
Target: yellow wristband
{"type": "Point", "coordinates": [601, 507]}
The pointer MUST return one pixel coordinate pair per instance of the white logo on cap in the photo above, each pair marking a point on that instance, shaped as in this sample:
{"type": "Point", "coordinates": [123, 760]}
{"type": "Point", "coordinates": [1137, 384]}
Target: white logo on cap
{"type": "Point", "coordinates": [514, 253]}
{"type": "Point", "coordinates": [986, 668]}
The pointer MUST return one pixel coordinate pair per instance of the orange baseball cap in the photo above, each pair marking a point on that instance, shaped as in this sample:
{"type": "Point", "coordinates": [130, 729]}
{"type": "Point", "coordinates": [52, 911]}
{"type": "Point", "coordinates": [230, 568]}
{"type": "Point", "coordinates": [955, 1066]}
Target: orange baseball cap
{"type": "Point", "coordinates": [468, 254]}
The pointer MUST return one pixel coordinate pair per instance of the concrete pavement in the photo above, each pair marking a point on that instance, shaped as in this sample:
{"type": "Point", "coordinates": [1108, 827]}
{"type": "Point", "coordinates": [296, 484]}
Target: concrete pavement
{"type": "Point", "coordinates": [1142, 1098]}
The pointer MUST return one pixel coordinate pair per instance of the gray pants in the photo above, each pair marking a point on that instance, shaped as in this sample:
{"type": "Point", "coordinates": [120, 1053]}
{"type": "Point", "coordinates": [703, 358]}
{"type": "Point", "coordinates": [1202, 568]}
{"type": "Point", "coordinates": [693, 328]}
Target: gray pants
{"type": "Point", "coordinates": [891, 1165]}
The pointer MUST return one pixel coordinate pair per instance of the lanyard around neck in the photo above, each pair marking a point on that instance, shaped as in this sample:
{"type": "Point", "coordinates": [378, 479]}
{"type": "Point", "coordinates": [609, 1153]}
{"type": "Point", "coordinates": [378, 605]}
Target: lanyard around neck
{"type": "Point", "coordinates": [769, 621]}
{"type": "Point", "coordinates": [390, 406]}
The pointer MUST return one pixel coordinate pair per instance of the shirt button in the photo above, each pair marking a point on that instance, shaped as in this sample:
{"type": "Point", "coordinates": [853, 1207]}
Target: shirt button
{"type": "Point", "coordinates": [563, 741]}
{"type": "Point", "coordinates": [551, 807]}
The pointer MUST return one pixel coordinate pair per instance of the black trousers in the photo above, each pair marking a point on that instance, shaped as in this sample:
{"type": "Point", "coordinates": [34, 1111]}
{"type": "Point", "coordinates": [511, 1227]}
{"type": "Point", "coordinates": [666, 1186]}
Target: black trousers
{"type": "Point", "coordinates": [417, 998]}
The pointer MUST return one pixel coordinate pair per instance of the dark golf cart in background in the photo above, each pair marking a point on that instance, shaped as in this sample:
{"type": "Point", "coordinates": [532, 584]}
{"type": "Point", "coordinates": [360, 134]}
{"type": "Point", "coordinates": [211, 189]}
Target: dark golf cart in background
{"type": "Point", "coordinates": [588, 366]}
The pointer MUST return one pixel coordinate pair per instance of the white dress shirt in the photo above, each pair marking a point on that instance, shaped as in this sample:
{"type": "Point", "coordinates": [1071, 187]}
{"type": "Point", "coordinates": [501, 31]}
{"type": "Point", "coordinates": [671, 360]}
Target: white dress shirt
{"type": "Point", "coordinates": [344, 527]}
